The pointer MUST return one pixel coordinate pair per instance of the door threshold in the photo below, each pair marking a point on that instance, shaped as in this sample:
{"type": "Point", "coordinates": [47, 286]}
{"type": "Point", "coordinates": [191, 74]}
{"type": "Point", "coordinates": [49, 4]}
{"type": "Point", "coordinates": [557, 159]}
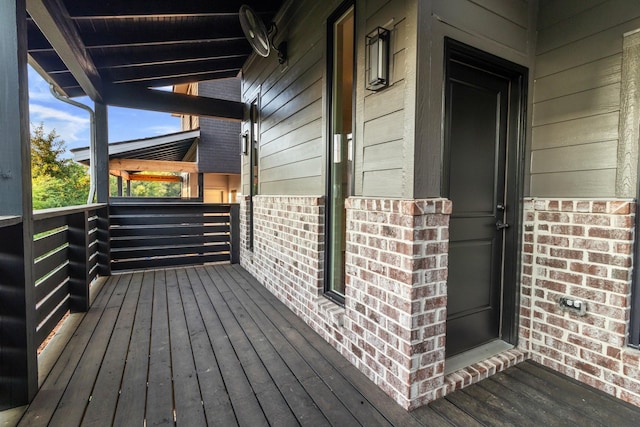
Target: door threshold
{"type": "Point", "coordinates": [475, 355]}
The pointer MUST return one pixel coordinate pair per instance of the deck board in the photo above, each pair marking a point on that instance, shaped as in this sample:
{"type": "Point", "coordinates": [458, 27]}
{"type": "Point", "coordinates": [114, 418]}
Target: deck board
{"type": "Point", "coordinates": [210, 346]}
{"type": "Point", "coordinates": [131, 404]}
{"type": "Point", "coordinates": [104, 398]}
{"type": "Point", "coordinates": [186, 388]}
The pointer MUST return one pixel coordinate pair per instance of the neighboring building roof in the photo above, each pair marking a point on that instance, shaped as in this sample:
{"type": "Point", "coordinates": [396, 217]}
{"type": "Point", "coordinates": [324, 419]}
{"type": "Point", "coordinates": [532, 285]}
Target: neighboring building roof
{"type": "Point", "coordinates": [172, 147]}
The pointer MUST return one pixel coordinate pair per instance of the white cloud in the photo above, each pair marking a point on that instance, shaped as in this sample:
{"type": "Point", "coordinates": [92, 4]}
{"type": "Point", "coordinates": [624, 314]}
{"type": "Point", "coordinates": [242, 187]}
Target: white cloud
{"type": "Point", "coordinates": [71, 127]}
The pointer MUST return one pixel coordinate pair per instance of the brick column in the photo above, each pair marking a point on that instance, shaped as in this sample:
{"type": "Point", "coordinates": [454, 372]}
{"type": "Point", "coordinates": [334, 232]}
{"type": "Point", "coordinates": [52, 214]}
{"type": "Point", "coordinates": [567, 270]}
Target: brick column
{"type": "Point", "coordinates": [396, 294]}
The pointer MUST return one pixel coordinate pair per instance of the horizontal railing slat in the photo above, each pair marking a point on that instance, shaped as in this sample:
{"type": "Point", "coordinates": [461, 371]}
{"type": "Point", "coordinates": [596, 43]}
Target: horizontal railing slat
{"type": "Point", "coordinates": [165, 262]}
{"type": "Point", "coordinates": [131, 220]}
{"type": "Point", "coordinates": [46, 244]}
{"type": "Point", "coordinates": [168, 230]}
{"type": "Point", "coordinates": [172, 251]}
{"type": "Point", "coordinates": [45, 329]}
{"type": "Point", "coordinates": [48, 224]}
{"type": "Point", "coordinates": [50, 262]}
{"type": "Point", "coordinates": [167, 209]}
{"type": "Point", "coordinates": [165, 241]}
{"type": "Point", "coordinates": [51, 282]}
{"type": "Point", "coordinates": [52, 302]}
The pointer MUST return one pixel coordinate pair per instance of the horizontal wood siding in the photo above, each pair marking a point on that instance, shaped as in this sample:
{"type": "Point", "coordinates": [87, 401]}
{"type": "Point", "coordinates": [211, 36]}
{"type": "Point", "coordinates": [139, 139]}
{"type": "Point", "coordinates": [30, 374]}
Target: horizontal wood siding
{"type": "Point", "coordinates": [576, 105]}
{"type": "Point", "coordinates": [291, 128]}
{"type": "Point", "coordinates": [293, 105]}
{"type": "Point", "coordinates": [383, 154]}
{"type": "Point", "coordinates": [504, 22]}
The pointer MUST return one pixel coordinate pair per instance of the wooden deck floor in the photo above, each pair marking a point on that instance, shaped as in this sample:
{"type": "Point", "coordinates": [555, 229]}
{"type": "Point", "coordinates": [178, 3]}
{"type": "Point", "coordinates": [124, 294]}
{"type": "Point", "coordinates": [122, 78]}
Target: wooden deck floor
{"type": "Point", "coordinates": [208, 345]}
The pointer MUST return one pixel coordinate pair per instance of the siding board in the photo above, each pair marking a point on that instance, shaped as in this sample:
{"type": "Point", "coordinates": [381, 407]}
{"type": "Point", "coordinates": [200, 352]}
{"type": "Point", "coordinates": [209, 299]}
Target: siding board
{"type": "Point", "coordinates": [603, 72]}
{"type": "Point", "coordinates": [300, 169]}
{"type": "Point", "coordinates": [379, 104]}
{"type": "Point", "coordinates": [383, 129]}
{"type": "Point", "coordinates": [599, 155]}
{"type": "Point", "coordinates": [310, 149]}
{"type": "Point", "coordinates": [589, 49]}
{"type": "Point", "coordinates": [588, 103]}
{"type": "Point", "coordinates": [304, 98]}
{"type": "Point", "coordinates": [470, 17]}
{"type": "Point", "coordinates": [579, 131]}
{"type": "Point", "coordinates": [384, 183]}
{"type": "Point", "coordinates": [388, 155]}
{"type": "Point", "coordinates": [293, 122]}
{"type": "Point", "coordinates": [516, 11]}
{"type": "Point", "coordinates": [595, 183]}
{"type": "Point", "coordinates": [554, 11]}
{"type": "Point", "coordinates": [303, 134]}
{"type": "Point", "coordinates": [591, 21]}
{"type": "Point", "coordinates": [303, 186]}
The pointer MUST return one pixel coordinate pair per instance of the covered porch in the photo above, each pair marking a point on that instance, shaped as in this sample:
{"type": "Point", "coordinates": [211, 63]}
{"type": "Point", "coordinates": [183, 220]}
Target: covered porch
{"type": "Point", "coordinates": [208, 345]}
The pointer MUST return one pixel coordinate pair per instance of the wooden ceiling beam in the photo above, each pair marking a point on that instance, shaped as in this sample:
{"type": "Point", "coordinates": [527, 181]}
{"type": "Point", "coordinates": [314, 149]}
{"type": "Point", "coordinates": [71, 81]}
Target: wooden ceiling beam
{"type": "Point", "coordinates": [152, 165]}
{"type": "Point", "coordinates": [53, 20]}
{"type": "Point", "coordinates": [154, 178]}
{"type": "Point", "coordinates": [134, 96]}
{"type": "Point", "coordinates": [119, 8]}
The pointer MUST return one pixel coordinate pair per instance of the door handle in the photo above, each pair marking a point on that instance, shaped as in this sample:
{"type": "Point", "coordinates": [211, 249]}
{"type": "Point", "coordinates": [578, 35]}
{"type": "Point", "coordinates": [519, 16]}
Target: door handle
{"type": "Point", "coordinates": [501, 225]}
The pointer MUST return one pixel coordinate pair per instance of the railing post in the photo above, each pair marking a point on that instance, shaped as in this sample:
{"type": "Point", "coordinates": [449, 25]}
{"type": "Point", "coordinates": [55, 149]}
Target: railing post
{"type": "Point", "coordinates": [234, 213]}
{"type": "Point", "coordinates": [104, 245]}
{"type": "Point", "coordinates": [78, 261]}
{"type": "Point", "coordinates": [18, 360]}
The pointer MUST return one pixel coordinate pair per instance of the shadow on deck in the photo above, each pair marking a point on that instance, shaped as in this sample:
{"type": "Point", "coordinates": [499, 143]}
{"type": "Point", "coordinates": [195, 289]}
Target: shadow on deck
{"type": "Point", "coordinates": [208, 345]}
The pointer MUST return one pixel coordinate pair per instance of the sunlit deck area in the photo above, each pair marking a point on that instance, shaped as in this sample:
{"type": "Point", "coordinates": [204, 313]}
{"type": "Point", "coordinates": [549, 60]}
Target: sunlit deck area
{"type": "Point", "coordinates": [208, 345]}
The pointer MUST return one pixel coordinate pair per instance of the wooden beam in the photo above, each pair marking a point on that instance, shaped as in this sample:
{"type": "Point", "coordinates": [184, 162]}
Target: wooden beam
{"type": "Point", "coordinates": [134, 96]}
{"type": "Point", "coordinates": [55, 23]}
{"type": "Point", "coordinates": [121, 174]}
{"type": "Point", "coordinates": [154, 178]}
{"type": "Point", "coordinates": [152, 165]}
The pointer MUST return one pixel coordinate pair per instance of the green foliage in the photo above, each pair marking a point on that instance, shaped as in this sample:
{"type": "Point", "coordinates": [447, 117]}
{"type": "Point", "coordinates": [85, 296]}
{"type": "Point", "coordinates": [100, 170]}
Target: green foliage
{"type": "Point", "coordinates": [56, 181]}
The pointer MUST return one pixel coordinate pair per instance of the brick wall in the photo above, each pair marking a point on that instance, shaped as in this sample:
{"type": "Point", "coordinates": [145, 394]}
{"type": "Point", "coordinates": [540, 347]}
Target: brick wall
{"type": "Point", "coordinates": [581, 249]}
{"type": "Point", "coordinates": [393, 323]}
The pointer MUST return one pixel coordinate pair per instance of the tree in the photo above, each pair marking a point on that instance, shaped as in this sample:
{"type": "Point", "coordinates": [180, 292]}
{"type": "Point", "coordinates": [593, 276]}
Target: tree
{"type": "Point", "coordinates": [46, 152]}
{"type": "Point", "coordinates": [56, 181]}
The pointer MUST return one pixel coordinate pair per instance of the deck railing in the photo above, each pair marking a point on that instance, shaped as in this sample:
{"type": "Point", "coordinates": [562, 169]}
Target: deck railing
{"type": "Point", "coordinates": [153, 233]}
{"type": "Point", "coordinates": [72, 247]}
{"type": "Point", "coordinates": [67, 257]}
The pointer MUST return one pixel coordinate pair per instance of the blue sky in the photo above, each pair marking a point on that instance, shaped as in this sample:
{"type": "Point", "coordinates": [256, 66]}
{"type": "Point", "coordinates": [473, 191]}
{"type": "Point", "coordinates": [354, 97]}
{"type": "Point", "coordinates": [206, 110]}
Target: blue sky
{"type": "Point", "coordinates": [72, 123]}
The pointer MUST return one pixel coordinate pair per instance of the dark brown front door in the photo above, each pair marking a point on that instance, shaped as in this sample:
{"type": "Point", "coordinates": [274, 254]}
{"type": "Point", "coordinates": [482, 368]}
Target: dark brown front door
{"type": "Point", "coordinates": [477, 121]}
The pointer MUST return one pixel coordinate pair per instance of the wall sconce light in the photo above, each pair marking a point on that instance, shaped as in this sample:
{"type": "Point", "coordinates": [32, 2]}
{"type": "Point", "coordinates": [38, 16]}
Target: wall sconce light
{"type": "Point", "coordinates": [377, 59]}
{"type": "Point", "coordinates": [244, 143]}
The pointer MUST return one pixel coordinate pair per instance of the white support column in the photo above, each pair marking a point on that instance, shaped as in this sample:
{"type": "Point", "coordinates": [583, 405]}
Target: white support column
{"type": "Point", "coordinates": [18, 360]}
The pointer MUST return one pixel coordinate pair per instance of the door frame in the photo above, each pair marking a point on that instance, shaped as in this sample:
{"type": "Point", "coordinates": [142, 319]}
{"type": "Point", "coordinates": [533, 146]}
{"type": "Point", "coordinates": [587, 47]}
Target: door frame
{"type": "Point", "coordinates": [518, 76]}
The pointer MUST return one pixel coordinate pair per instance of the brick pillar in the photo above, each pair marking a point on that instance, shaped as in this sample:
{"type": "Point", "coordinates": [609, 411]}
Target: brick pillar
{"type": "Point", "coordinates": [396, 294]}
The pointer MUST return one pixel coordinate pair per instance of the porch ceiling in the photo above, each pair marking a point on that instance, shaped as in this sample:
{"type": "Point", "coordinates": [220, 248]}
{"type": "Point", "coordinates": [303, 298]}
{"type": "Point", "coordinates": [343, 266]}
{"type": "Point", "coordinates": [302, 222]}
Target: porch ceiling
{"type": "Point", "coordinates": [104, 49]}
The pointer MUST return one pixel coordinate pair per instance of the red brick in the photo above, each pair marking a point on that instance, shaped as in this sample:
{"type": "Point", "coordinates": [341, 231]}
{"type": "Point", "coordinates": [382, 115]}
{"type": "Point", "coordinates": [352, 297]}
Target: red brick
{"type": "Point", "coordinates": [613, 234]}
{"type": "Point", "coordinates": [591, 244]}
{"type": "Point", "coordinates": [551, 262]}
{"type": "Point", "coordinates": [593, 270]}
{"type": "Point", "coordinates": [568, 230]}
